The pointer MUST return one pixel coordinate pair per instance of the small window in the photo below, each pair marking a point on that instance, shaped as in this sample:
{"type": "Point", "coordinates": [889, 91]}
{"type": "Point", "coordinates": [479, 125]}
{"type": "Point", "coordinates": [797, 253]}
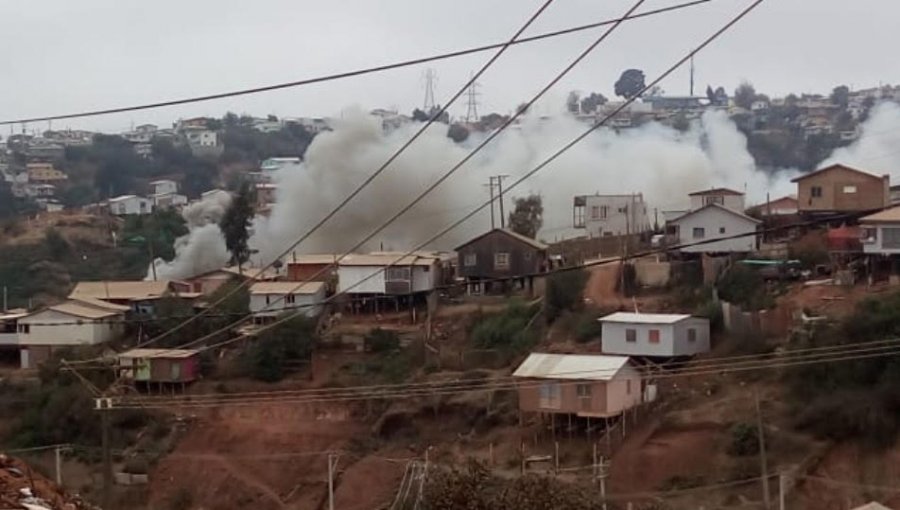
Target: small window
{"type": "Point", "coordinates": [631, 335]}
{"type": "Point", "coordinates": [628, 386]}
{"type": "Point", "coordinates": [692, 335]}
{"type": "Point", "coordinates": [25, 329]}
{"type": "Point", "coordinates": [815, 191]}
{"type": "Point", "coordinates": [653, 336]}
{"type": "Point", "coordinates": [623, 210]}
{"type": "Point", "coordinates": [849, 189]}
{"type": "Point", "coordinates": [426, 269]}
{"type": "Point", "coordinates": [721, 230]}
{"type": "Point", "coordinates": [471, 259]}
{"type": "Point", "coordinates": [699, 232]}
{"type": "Point", "coordinates": [604, 211]}
{"type": "Point", "coordinates": [595, 212]}
{"type": "Point", "coordinates": [268, 298]}
{"type": "Point", "coordinates": [714, 199]}
{"type": "Point", "coordinates": [290, 299]}
{"type": "Point", "coordinates": [583, 390]}
{"type": "Point", "coordinates": [501, 261]}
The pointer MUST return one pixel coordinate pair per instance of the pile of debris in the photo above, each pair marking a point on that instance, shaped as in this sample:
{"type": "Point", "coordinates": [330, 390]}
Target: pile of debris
{"type": "Point", "coordinates": [22, 488]}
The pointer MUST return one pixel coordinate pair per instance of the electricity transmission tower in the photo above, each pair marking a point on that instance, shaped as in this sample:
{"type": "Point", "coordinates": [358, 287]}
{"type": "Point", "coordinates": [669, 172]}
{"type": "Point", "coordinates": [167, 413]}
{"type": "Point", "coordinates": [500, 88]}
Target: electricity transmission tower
{"type": "Point", "coordinates": [430, 79]}
{"type": "Point", "coordinates": [472, 102]}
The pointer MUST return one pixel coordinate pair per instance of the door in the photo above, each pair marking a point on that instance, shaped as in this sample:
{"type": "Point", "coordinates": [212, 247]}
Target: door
{"type": "Point", "coordinates": [175, 369]}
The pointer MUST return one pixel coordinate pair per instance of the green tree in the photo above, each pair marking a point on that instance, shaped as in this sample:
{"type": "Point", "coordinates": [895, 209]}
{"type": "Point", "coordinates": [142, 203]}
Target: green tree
{"type": "Point", "coordinates": [840, 95]}
{"type": "Point", "coordinates": [744, 95]}
{"type": "Point", "coordinates": [630, 83]}
{"type": "Point", "coordinates": [527, 216]}
{"type": "Point", "coordinates": [565, 291]}
{"type": "Point", "coordinates": [281, 348]}
{"type": "Point", "coordinates": [458, 133]}
{"type": "Point", "coordinates": [235, 225]}
{"type": "Point", "coordinates": [7, 200]}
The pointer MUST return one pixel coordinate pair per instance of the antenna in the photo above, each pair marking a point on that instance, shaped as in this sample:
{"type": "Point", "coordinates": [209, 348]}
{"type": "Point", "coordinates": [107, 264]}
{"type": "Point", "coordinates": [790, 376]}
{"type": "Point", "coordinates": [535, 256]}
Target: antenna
{"type": "Point", "coordinates": [472, 102]}
{"type": "Point", "coordinates": [430, 79]}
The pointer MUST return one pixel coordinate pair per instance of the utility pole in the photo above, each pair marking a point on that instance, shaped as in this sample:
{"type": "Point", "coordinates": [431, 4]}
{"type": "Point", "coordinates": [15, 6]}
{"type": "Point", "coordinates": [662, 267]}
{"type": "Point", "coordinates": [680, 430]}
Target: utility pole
{"type": "Point", "coordinates": [104, 407]}
{"type": "Point", "coordinates": [332, 465]}
{"type": "Point", "coordinates": [500, 197]}
{"type": "Point", "coordinates": [762, 455]}
{"type": "Point", "coordinates": [782, 481]}
{"type": "Point", "coordinates": [58, 466]}
{"type": "Point", "coordinates": [601, 473]}
{"type": "Point", "coordinates": [153, 259]}
{"type": "Point", "coordinates": [490, 186]}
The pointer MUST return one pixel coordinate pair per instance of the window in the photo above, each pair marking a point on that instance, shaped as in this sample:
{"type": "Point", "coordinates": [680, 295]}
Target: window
{"type": "Point", "coordinates": [815, 191]}
{"type": "Point", "coordinates": [631, 335]}
{"type": "Point", "coordinates": [869, 235]}
{"type": "Point", "coordinates": [549, 396]}
{"type": "Point", "coordinates": [653, 336]}
{"type": "Point", "coordinates": [595, 212]}
{"type": "Point", "coordinates": [699, 232]}
{"type": "Point", "coordinates": [267, 298]}
{"type": "Point", "coordinates": [470, 260]}
{"type": "Point", "coordinates": [583, 390]}
{"type": "Point", "coordinates": [628, 386]}
{"type": "Point", "coordinates": [622, 210]}
{"type": "Point", "coordinates": [501, 261]}
{"type": "Point", "coordinates": [394, 274]}
{"type": "Point", "coordinates": [714, 199]}
{"type": "Point", "coordinates": [849, 189]}
{"type": "Point", "coordinates": [290, 299]}
{"type": "Point", "coordinates": [426, 269]}
{"type": "Point", "coordinates": [891, 237]}
{"type": "Point", "coordinates": [692, 335]}
{"type": "Point", "coordinates": [25, 329]}
{"type": "Point", "coordinates": [721, 230]}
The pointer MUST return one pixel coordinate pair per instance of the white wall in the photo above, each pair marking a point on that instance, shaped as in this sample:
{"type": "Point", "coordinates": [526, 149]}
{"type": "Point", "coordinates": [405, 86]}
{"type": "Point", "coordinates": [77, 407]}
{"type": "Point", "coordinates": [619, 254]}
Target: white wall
{"type": "Point", "coordinates": [618, 399]}
{"type": "Point", "coordinates": [424, 277]}
{"type": "Point", "coordinates": [165, 187]}
{"type": "Point", "coordinates": [733, 202]}
{"type": "Point", "coordinates": [131, 205]}
{"type": "Point", "coordinates": [713, 220]}
{"type": "Point", "coordinates": [877, 246]}
{"type": "Point", "coordinates": [7, 339]}
{"type": "Point", "coordinates": [43, 330]}
{"type": "Point", "coordinates": [683, 346]}
{"type": "Point", "coordinates": [616, 222]}
{"type": "Point", "coordinates": [276, 305]}
{"type": "Point", "coordinates": [613, 335]}
{"type": "Point", "coordinates": [348, 276]}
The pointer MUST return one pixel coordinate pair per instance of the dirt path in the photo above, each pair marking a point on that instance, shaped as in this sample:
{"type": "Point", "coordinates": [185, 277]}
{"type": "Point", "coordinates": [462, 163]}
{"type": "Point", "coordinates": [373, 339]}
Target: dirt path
{"type": "Point", "coordinates": [249, 479]}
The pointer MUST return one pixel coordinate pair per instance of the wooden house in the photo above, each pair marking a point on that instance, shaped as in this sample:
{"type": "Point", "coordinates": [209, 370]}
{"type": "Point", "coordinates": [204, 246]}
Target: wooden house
{"type": "Point", "coordinates": [159, 366]}
{"type": "Point", "coordinates": [841, 189]}
{"type": "Point", "coordinates": [268, 300]}
{"type": "Point", "coordinates": [500, 254]}
{"type": "Point", "coordinates": [584, 385]}
{"type": "Point", "coordinates": [140, 296]}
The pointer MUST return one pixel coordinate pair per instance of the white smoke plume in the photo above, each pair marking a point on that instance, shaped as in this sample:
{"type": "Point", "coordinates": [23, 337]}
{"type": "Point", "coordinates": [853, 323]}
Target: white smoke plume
{"type": "Point", "coordinates": [202, 249]}
{"type": "Point", "coordinates": [660, 162]}
{"type": "Point", "coordinates": [877, 150]}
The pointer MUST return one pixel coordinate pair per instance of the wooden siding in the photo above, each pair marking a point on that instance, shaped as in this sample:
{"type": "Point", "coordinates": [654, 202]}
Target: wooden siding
{"type": "Point", "coordinates": [569, 401]}
{"type": "Point", "coordinates": [523, 258]}
{"type": "Point", "coordinates": [872, 191]}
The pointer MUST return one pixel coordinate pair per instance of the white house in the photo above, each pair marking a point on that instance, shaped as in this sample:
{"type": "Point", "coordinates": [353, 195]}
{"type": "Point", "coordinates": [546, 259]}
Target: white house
{"type": "Point", "coordinates": [168, 201]}
{"type": "Point", "coordinates": [712, 222]}
{"type": "Point", "coordinates": [654, 334]}
{"type": "Point", "coordinates": [9, 320]}
{"type": "Point", "coordinates": [585, 385]}
{"type": "Point", "coordinates": [270, 299]}
{"type": "Point", "coordinates": [387, 273]}
{"type": "Point", "coordinates": [198, 137]}
{"type": "Point", "coordinates": [127, 205]}
{"type": "Point", "coordinates": [608, 215]}
{"type": "Point", "coordinates": [881, 232]}
{"type": "Point", "coordinates": [71, 323]}
{"type": "Point", "coordinates": [725, 197]}
{"type": "Point", "coordinates": [163, 187]}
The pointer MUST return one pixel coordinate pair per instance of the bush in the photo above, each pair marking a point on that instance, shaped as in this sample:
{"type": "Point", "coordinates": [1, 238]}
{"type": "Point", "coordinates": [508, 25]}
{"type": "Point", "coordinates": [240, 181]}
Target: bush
{"type": "Point", "coordinates": [744, 440]}
{"type": "Point", "coordinates": [380, 340]}
{"type": "Point", "coordinates": [565, 291]}
{"type": "Point", "coordinates": [507, 331]}
{"type": "Point", "coordinates": [744, 287]}
{"type": "Point", "coordinates": [588, 328]}
{"type": "Point", "coordinates": [278, 350]}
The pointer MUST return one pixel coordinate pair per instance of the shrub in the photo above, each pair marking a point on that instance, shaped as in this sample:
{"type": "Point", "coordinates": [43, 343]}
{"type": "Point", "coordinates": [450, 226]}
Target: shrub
{"type": "Point", "coordinates": [744, 440]}
{"type": "Point", "coordinates": [745, 287]}
{"type": "Point", "coordinates": [288, 343]}
{"type": "Point", "coordinates": [588, 328]}
{"type": "Point", "coordinates": [380, 340]}
{"type": "Point", "coordinates": [507, 331]}
{"type": "Point", "coordinates": [565, 291]}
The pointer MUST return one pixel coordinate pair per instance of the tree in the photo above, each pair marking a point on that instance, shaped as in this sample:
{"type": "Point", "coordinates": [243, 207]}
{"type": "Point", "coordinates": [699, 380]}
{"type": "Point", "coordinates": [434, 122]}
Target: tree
{"type": "Point", "coordinates": [281, 347]}
{"type": "Point", "coordinates": [840, 95]}
{"type": "Point", "coordinates": [235, 226]}
{"type": "Point", "coordinates": [565, 291]}
{"type": "Point", "coordinates": [527, 216]}
{"type": "Point", "coordinates": [7, 200]}
{"type": "Point", "coordinates": [573, 102]}
{"type": "Point", "coordinates": [419, 115]}
{"type": "Point", "coordinates": [593, 101]}
{"type": "Point", "coordinates": [630, 84]}
{"type": "Point", "coordinates": [744, 95]}
{"type": "Point", "coordinates": [230, 120]}
{"type": "Point", "coordinates": [458, 133]}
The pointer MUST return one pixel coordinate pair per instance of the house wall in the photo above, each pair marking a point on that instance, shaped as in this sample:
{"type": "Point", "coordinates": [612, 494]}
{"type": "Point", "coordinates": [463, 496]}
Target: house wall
{"type": "Point", "coordinates": [733, 202]}
{"type": "Point", "coordinates": [608, 398]}
{"type": "Point", "coordinates": [165, 187]}
{"type": "Point", "coordinates": [712, 220]}
{"type": "Point", "coordinates": [624, 214]}
{"type": "Point", "coordinates": [43, 330]}
{"type": "Point", "coordinates": [348, 276]}
{"type": "Point", "coordinates": [276, 305]}
{"type": "Point", "coordinates": [613, 339]}
{"type": "Point", "coordinates": [624, 391]}
{"type": "Point", "coordinates": [131, 206]}
{"type": "Point", "coordinates": [876, 245]}
{"type": "Point", "coordinates": [297, 272]}
{"type": "Point", "coordinates": [209, 284]}
{"type": "Point", "coordinates": [872, 192]}
{"type": "Point", "coordinates": [683, 346]}
{"type": "Point", "coordinates": [523, 258]}
{"type": "Point", "coordinates": [162, 369]}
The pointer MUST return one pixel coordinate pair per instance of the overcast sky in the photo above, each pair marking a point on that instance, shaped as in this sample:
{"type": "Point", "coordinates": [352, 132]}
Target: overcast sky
{"type": "Point", "coordinates": [61, 56]}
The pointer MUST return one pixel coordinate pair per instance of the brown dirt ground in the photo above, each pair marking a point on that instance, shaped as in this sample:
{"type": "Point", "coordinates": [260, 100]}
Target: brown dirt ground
{"type": "Point", "coordinates": [73, 226]}
{"type": "Point", "coordinates": [851, 464]}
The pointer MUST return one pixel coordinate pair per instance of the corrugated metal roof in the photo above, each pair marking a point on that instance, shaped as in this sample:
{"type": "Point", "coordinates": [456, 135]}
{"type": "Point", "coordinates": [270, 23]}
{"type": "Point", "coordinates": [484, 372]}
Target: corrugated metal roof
{"type": "Point", "coordinates": [120, 290]}
{"type": "Point", "coordinates": [519, 237]}
{"type": "Point", "coordinates": [103, 305]}
{"type": "Point", "coordinates": [645, 318]}
{"type": "Point", "coordinates": [158, 353]}
{"type": "Point", "coordinates": [890, 215]}
{"type": "Point", "coordinates": [589, 367]}
{"type": "Point", "coordinates": [286, 288]}
{"type": "Point", "coordinates": [359, 259]}
{"type": "Point", "coordinates": [715, 191]}
{"type": "Point", "coordinates": [714, 206]}
{"type": "Point", "coordinates": [76, 309]}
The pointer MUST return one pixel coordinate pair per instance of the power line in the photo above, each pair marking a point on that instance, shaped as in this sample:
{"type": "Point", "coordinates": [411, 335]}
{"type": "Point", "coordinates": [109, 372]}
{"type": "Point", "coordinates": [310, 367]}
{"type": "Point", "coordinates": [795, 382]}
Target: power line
{"type": "Point", "coordinates": [351, 74]}
{"type": "Point", "coordinates": [434, 118]}
{"type": "Point", "coordinates": [447, 174]}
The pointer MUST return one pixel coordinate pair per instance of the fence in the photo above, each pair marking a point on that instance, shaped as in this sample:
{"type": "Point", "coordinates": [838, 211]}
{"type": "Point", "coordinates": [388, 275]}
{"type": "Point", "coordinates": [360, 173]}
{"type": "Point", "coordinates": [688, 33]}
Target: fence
{"type": "Point", "coordinates": [774, 322]}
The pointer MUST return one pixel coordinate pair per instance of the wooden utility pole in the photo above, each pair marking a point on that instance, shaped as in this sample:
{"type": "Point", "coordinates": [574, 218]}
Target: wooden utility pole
{"type": "Point", "coordinates": [782, 482]}
{"type": "Point", "coordinates": [602, 470]}
{"type": "Point", "coordinates": [104, 406]}
{"type": "Point", "coordinates": [490, 186]}
{"type": "Point", "coordinates": [58, 466]}
{"type": "Point", "coordinates": [332, 464]}
{"type": "Point", "coordinates": [500, 197]}
{"type": "Point", "coordinates": [762, 455]}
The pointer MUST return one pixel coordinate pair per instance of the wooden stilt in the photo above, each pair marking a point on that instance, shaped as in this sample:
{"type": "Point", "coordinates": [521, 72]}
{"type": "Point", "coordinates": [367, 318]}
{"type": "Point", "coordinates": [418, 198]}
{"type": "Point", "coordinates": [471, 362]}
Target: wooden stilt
{"type": "Point", "coordinates": [570, 426]}
{"type": "Point", "coordinates": [608, 435]}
